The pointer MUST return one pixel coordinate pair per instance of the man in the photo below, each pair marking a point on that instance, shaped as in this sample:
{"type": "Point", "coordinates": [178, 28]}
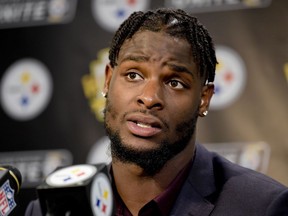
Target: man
{"type": "Point", "coordinates": [158, 82]}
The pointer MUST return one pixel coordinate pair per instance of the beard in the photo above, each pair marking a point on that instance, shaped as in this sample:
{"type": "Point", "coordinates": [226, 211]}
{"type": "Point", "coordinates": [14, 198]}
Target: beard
{"type": "Point", "coordinates": [152, 160]}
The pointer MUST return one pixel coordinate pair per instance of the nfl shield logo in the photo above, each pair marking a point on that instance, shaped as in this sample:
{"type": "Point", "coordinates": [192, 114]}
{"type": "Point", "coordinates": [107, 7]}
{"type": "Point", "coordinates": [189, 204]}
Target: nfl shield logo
{"type": "Point", "coordinates": [7, 202]}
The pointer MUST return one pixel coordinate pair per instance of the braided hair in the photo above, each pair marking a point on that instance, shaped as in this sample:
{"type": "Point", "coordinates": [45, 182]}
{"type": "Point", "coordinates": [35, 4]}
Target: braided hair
{"type": "Point", "coordinates": [174, 22]}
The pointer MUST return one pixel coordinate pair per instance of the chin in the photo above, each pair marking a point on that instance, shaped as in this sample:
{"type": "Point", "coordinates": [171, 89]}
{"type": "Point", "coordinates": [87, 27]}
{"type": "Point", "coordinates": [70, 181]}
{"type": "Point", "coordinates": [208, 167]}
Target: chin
{"type": "Point", "coordinates": [141, 144]}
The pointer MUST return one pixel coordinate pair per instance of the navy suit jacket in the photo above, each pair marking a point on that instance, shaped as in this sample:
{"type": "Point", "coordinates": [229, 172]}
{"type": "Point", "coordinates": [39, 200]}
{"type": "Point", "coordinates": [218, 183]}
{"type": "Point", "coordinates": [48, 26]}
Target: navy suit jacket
{"type": "Point", "coordinates": [218, 187]}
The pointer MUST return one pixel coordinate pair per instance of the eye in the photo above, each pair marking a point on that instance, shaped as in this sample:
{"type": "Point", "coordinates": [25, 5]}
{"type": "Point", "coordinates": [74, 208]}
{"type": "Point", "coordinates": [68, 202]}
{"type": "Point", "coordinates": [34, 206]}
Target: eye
{"type": "Point", "coordinates": [134, 76]}
{"type": "Point", "coordinates": [176, 84]}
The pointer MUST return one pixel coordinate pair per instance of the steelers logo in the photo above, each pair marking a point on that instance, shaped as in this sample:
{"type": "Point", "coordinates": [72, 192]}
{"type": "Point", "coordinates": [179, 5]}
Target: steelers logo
{"type": "Point", "coordinates": [71, 175]}
{"type": "Point", "coordinates": [230, 78]}
{"type": "Point", "coordinates": [110, 14]}
{"type": "Point", "coordinates": [101, 196]}
{"type": "Point", "coordinates": [26, 89]}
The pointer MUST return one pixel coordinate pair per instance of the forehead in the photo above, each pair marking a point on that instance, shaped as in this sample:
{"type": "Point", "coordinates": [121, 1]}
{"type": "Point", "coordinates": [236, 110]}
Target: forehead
{"type": "Point", "coordinates": [157, 46]}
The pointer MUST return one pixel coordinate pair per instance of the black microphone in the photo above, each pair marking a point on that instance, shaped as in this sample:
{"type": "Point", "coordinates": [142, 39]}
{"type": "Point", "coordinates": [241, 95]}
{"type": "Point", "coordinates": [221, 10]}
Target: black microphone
{"type": "Point", "coordinates": [10, 183]}
{"type": "Point", "coordinates": [77, 190]}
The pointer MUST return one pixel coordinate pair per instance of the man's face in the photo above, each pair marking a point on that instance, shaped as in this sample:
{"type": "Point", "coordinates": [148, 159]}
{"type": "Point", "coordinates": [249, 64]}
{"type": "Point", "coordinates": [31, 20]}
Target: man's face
{"type": "Point", "coordinates": [154, 96]}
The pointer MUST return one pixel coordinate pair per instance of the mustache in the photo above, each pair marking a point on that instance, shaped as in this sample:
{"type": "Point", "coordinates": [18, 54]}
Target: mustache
{"type": "Point", "coordinates": [109, 108]}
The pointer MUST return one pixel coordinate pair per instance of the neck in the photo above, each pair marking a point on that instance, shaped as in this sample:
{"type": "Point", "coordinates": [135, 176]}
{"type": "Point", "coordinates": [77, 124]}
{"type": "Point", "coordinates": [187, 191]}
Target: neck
{"type": "Point", "coordinates": [136, 188]}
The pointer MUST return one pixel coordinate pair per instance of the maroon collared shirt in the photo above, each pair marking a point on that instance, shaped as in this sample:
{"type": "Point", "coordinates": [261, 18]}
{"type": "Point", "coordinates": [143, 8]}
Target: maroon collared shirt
{"type": "Point", "coordinates": [160, 205]}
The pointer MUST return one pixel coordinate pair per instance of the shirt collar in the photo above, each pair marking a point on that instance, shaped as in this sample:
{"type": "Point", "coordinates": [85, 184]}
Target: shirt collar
{"type": "Point", "coordinates": [164, 201]}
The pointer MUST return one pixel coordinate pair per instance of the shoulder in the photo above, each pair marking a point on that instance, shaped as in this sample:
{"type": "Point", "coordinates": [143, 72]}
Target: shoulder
{"type": "Point", "coordinates": [220, 187]}
{"type": "Point", "coordinates": [228, 174]}
{"type": "Point", "coordinates": [225, 173]}
{"type": "Point", "coordinates": [210, 170]}
{"type": "Point", "coordinates": [242, 188]}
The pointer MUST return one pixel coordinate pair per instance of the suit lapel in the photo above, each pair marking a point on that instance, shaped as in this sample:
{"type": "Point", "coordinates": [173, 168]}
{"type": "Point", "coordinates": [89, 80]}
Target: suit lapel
{"type": "Point", "coordinates": [200, 184]}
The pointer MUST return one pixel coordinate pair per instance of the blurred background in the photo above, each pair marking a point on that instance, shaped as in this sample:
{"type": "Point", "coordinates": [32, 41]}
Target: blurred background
{"type": "Point", "coordinates": [52, 59]}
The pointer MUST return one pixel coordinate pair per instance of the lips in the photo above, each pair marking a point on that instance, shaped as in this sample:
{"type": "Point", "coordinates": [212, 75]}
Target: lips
{"type": "Point", "coordinates": [143, 125]}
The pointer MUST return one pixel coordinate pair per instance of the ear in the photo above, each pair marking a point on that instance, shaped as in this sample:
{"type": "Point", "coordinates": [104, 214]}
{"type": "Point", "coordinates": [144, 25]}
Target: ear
{"type": "Point", "coordinates": [207, 93]}
{"type": "Point", "coordinates": [108, 76]}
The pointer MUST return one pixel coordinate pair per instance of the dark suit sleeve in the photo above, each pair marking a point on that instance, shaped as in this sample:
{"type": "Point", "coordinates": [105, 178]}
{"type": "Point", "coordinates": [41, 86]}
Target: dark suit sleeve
{"type": "Point", "coordinates": [33, 209]}
{"type": "Point", "coordinates": [279, 206]}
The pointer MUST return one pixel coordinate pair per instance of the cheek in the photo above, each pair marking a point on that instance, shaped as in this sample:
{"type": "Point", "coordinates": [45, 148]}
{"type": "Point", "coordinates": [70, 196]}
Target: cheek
{"type": "Point", "coordinates": [118, 100]}
{"type": "Point", "coordinates": [182, 110]}
{"type": "Point", "coordinates": [120, 91]}
{"type": "Point", "coordinates": [183, 105]}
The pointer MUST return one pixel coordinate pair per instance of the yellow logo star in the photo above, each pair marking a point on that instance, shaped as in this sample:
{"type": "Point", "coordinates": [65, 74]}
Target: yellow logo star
{"type": "Point", "coordinates": [25, 77]}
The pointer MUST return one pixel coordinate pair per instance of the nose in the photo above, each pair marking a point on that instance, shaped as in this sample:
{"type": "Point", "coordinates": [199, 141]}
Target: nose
{"type": "Point", "coordinates": [151, 95]}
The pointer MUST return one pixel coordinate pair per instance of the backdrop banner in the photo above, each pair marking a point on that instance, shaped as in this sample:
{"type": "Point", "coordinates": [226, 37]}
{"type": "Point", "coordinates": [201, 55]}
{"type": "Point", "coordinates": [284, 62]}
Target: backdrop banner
{"type": "Point", "coordinates": [53, 56]}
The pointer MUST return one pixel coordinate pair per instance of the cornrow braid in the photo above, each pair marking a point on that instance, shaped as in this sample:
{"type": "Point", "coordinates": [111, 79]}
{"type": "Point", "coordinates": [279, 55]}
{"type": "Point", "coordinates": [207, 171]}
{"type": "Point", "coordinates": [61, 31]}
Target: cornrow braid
{"type": "Point", "coordinates": [176, 23]}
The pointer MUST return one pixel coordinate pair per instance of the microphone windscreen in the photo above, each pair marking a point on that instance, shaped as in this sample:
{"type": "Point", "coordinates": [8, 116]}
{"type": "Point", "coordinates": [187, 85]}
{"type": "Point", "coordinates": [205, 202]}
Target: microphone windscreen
{"type": "Point", "coordinates": [82, 189]}
{"type": "Point", "coordinates": [10, 182]}
{"type": "Point", "coordinates": [15, 173]}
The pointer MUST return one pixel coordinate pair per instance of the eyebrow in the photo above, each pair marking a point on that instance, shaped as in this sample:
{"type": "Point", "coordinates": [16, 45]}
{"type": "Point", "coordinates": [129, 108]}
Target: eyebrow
{"type": "Point", "coordinates": [141, 58]}
{"type": "Point", "coordinates": [180, 69]}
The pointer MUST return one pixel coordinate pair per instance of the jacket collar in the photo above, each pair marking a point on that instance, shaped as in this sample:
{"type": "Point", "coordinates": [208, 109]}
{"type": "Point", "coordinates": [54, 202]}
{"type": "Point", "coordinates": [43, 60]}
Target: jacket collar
{"type": "Point", "coordinates": [193, 199]}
